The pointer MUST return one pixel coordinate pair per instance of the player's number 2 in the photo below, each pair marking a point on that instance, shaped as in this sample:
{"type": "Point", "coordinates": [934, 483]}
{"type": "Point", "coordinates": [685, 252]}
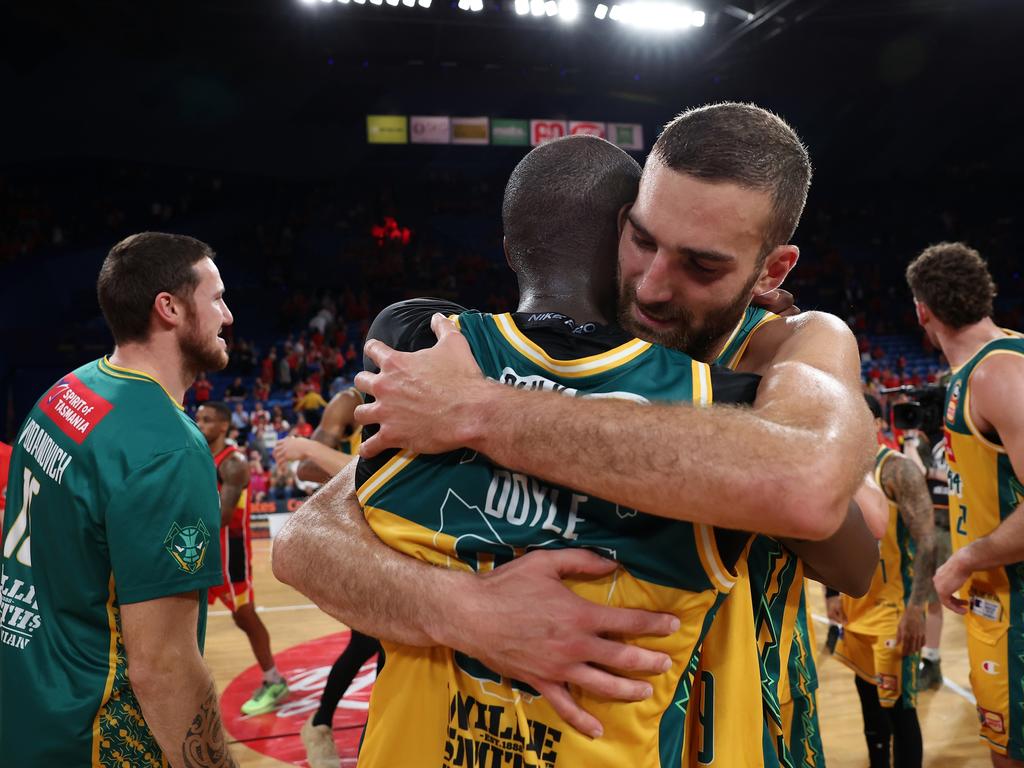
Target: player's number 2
{"type": "Point", "coordinates": [21, 531]}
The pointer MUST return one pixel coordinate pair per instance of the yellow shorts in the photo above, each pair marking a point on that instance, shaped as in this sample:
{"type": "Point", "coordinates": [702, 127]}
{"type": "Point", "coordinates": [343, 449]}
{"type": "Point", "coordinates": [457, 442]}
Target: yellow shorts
{"type": "Point", "coordinates": [879, 660]}
{"type": "Point", "coordinates": [1000, 705]}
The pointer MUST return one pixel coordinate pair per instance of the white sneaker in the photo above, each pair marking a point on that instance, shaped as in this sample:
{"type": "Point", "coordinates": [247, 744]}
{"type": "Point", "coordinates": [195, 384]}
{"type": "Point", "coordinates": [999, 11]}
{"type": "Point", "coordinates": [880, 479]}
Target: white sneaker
{"type": "Point", "coordinates": [321, 751]}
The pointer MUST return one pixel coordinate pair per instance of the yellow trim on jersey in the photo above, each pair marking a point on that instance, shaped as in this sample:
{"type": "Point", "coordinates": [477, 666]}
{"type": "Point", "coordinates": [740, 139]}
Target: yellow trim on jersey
{"type": "Point", "coordinates": [878, 469]}
{"type": "Point", "coordinates": [119, 372]}
{"type": "Point", "coordinates": [455, 319]}
{"type": "Point", "coordinates": [738, 354]}
{"type": "Point", "coordinates": [700, 373]}
{"type": "Point", "coordinates": [112, 669]}
{"type": "Point", "coordinates": [585, 366]}
{"type": "Point", "coordinates": [711, 560]}
{"type": "Point", "coordinates": [967, 401]}
{"type": "Point", "coordinates": [396, 464]}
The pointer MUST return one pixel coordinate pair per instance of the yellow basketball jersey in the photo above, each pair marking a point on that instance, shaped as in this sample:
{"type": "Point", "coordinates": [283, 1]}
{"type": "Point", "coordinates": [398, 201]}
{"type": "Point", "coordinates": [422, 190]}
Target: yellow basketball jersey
{"type": "Point", "coordinates": [350, 443]}
{"type": "Point", "coordinates": [878, 612]}
{"type": "Point", "coordinates": [983, 491]}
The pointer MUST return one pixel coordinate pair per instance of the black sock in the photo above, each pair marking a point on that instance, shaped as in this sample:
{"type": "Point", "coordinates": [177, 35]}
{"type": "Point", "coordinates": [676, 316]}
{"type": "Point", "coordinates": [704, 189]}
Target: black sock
{"type": "Point", "coordinates": [360, 648]}
{"type": "Point", "coordinates": [877, 730]}
{"type": "Point", "coordinates": [906, 736]}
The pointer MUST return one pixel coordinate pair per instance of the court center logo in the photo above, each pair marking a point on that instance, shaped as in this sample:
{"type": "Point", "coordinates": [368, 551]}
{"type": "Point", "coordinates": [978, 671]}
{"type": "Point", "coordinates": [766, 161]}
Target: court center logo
{"type": "Point", "coordinates": [188, 545]}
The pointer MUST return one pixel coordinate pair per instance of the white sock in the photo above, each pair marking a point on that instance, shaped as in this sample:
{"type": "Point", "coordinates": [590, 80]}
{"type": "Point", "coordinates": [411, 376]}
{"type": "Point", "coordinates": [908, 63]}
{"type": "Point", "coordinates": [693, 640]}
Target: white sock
{"type": "Point", "coordinates": [272, 676]}
{"type": "Point", "coordinates": [931, 654]}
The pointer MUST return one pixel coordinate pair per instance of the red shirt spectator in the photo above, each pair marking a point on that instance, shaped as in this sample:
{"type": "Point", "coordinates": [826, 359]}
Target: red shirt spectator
{"type": "Point", "coordinates": [267, 368]}
{"type": "Point", "coordinates": [203, 388]}
{"type": "Point", "coordinates": [261, 391]}
{"type": "Point", "coordinates": [302, 427]}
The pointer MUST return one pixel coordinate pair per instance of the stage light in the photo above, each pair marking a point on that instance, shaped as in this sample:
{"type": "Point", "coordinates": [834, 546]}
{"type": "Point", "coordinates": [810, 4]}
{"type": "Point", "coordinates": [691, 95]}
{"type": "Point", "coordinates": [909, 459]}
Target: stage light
{"type": "Point", "coordinates": [537, 7]}
{"type": "Point", "coordinates": [568, 10]}
{"type": "Point", "coordinates": [463, 5]}
{"type": "Point", "coordinates": [476, 5]}
{"type": "Point", "coordinates": [551, 8]}
{"type": "Point", "coordinates": [522, 7]}
{"type": "Point", "coordinates": [601, 11]}
{"type": "Point", "coordinates": [392, 3]}
{"type": "Point", "coordinates": [424, 3]}
{"type": "Point", "coordinates": [653, 15]}
{"type": "Point", "coordinates": [308, 2]}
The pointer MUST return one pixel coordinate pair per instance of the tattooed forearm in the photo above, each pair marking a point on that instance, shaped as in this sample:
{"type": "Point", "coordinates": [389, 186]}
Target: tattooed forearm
{"type": "Point", "coordinates": [204, 745]}
{"type": "Point", "coordinates": [905, 483]}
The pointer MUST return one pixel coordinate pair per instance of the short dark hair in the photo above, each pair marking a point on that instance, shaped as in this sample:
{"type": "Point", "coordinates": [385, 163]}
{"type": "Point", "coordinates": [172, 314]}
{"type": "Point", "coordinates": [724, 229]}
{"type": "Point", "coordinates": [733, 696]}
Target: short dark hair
{"type": "Point", "coordinates": [874, 406]}
{"type": "Point", "coordinates": [565, 196]}
{"type": "Point", "coordinates": [746, 145]}
{"type": "Point", "coordinates": [954, 282]}
{"type": "Point", "coordinates": [223, 412]}
{"type": "Point", "coordinates": [136, 270]}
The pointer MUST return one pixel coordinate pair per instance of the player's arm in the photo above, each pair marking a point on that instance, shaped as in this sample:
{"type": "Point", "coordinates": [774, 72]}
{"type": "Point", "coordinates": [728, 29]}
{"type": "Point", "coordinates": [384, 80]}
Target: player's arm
{"type": "Point", "coordinates": [997, 391]}
{"type": "Point", "coordinates": [320, 459]}
{"type": "Point", "coordinates": [171, 682]}
{"type": "Point", "coordinates": [787, 467]}
{"type": "Point", "coordinates": [846, 560]}
{"type": "Point", "coordinates": [905, 483]}
{"type": "Point", "coordinates": [234, 479]}
{"type": "Point", "coordinates": [328, 552]}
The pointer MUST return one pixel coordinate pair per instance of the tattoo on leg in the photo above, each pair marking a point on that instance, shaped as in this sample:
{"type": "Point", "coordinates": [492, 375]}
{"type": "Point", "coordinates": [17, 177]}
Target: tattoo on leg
{"type": "Point", "coordinates": [204, 745]}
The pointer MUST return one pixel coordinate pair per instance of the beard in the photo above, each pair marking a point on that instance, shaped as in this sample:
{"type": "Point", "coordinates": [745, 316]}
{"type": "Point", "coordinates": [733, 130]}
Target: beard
{"type": "Point", "coordinates": [696, 339]}
{"type": "Point", "coordinates": [200, 354]}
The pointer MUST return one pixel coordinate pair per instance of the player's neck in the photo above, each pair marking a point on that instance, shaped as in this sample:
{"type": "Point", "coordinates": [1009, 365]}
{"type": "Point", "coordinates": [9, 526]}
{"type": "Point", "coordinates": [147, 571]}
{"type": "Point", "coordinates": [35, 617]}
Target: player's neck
{"type": "Point", "coordinates": [218, 444]}
{"type": "Point", "coordinates": [961, 344]}
{"type": "Point", "coordinates": [582, 306]}
{"type": "Point", "coordinates": [152, 359]}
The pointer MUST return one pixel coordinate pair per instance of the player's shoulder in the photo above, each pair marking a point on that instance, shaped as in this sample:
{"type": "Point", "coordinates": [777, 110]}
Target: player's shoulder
{"type": "Point", "coordinates": [405, 325]}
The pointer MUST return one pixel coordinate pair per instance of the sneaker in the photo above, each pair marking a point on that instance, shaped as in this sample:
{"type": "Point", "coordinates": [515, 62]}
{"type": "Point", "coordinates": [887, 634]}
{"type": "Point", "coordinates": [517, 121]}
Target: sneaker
{"type": "Point", "coordinates": [266, 697]}
{"type": "Point", "coordinates": [833, 638]}
{"type": "Point", "coordinates": [929, 675]}
{"type": "Point", "coordinates": [321, 751]}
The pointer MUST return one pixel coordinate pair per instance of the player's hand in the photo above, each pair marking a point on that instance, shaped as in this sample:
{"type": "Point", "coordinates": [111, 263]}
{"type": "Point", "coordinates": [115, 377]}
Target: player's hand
{"type": "Point", "coordinates": [779, 301]}
{"type": "Point", "coordinates": [834, 609]}
{"type": "Point", "coordinates": [949, 577]}
{"type": "Point", "coordinates": [421, 398]}
{"type": "Point", "coordinates": [910, 633]}
{"type": "Point", "coordinates": [292, 448]}
{"type": "Point", "coordinates": [524, 623]}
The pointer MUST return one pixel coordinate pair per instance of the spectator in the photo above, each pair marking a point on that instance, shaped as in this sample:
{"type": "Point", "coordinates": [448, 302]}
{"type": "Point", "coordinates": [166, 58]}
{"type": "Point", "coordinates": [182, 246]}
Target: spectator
{"type": "Point", "coordinates": [284, 373]}
{"type": "Point", "coordinates": [259, 479]}
{"type": "Point", "coordinates": [311, 405]}
{"type": "Point", "coordinates": [302, 426]}
{"type": "Point", "coordinates": [203, 388]}
{"type": "Point", "coordinates": [236, 391]}
{"type": "Point", "coordinates": [240, 420]}
{"type": "Point", "coordinates": [268, 366]}
{"type": "Point", "coordinates": [261, 390]}
{"type": "Point", "coordinates": [258, 412]}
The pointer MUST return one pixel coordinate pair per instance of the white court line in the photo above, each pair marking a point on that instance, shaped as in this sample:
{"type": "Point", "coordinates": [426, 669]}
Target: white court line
{"type": "Point", "coordinates": [959, 690]}
{"type": "Point", "coordinates": [271, 609]}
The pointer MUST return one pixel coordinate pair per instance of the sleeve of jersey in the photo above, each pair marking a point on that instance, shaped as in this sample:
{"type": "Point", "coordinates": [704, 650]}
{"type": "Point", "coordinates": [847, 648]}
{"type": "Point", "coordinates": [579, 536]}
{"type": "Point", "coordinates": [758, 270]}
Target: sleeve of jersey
{"type": "Point", "coordinates": [731, 387]}
{"type": "Point", "coordinates": [163, 528]}
{"type": "Point", "coordinates": [404, 326]}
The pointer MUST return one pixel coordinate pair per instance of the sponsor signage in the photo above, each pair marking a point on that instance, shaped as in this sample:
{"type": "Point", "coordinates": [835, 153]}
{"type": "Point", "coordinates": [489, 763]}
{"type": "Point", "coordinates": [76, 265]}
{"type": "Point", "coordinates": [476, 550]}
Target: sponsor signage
{"type": "Point", "coordinates": [387, 129]}
{"type": "Point", "coordinates": [542, 131]}
{"type": "Point", "coordinates": [429, 130]}
{"type": "Point", "coordinates": [587, 128]}
{"type": "Point", "coordinates": [626, 135]}
{"type": "Point", "coordinates": [510, 133]}
{"type": "Point", "coordinates": [471, 130]}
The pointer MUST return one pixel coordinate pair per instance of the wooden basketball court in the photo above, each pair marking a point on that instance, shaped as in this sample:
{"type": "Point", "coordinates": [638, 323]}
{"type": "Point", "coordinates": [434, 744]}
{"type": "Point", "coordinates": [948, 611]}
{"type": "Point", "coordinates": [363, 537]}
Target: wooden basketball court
{"type": "Point", "coordinates": [948, 719]}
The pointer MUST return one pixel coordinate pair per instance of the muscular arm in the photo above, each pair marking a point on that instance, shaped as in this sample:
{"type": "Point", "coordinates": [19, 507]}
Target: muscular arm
{"type": "Point", "coordinates": [327, 543]}
{"type": "Point", "coordinates": [234, 478]}
{"type": "Point", "coordinates": [322, 462]}
{"type": "Point", "coordinates": [171, 682]}
{"type": "Point", "coordinates": [846, 560]}
{"type": "Point", "coordinates": [904, 482]}
{"type": "Point", "coordinates": [788, 467]}
{"type": "Point", "coordinates": [997, 390]}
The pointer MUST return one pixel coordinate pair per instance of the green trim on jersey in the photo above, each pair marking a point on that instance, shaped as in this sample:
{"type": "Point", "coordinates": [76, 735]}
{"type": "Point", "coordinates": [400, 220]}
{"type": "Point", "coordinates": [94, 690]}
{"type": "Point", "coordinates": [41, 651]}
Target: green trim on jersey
{"type": "Point", "coordinates": [753, 318]}
{"type": "Point", "coordinates": [111, 487]}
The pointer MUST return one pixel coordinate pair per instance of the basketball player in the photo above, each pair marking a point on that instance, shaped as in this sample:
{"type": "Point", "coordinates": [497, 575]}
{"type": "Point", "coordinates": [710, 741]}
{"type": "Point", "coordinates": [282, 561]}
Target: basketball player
{"type": "Point", "coordinates": [984, 425]}
{"type": "Point", "coordinates": [334, 444]}
{"type": "Point", "coordinates": [884, 630]}
{"type": "Point", "coordinates": [236, 591]}
{"type": "Point", "coordinates": [109, 536]}
{"type": "Point", "coordinates": [505, 649]}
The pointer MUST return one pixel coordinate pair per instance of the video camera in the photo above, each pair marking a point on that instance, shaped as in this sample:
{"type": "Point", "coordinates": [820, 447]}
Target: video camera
{"type": "Point", "coordinates": [923, 411]}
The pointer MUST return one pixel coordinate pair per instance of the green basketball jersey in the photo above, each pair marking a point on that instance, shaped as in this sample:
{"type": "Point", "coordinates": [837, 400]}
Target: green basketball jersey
{"type": "Point", "coordinates": [112, 500]}
{"type": "Point", "coordinates": [458, 510]}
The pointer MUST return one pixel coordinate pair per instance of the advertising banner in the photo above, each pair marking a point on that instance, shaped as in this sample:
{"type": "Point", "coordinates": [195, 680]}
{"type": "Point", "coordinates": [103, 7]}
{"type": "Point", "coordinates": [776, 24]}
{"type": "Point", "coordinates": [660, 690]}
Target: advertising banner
{"type": "Point", "coordinates": [510, 133]}
{"type": "Point", "coordinates": [470, 130]}
{"type": "Point", "coordinates": [429, 130]}
{"type": "Point", "coordinates": [626, 135]}
{"type": "Point", "coordinates": [546, 130]}
{"type": "Point", "coordinates": [587, 128]}
{"type": "Point", "coordinates": [387, 129]}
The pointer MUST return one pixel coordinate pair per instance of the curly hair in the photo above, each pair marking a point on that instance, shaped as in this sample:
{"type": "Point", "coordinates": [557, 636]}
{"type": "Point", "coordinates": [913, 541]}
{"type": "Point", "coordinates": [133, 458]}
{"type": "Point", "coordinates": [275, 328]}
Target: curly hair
{"type": "Point", "coordinates": [954, 282]}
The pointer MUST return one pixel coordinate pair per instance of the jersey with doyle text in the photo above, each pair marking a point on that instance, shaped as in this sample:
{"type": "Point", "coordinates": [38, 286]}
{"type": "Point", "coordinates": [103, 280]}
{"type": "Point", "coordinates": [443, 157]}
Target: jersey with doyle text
{"type": "Point", "coordinates": [112, 500]}
{"type": "Point", "coordinates": [458, 510]}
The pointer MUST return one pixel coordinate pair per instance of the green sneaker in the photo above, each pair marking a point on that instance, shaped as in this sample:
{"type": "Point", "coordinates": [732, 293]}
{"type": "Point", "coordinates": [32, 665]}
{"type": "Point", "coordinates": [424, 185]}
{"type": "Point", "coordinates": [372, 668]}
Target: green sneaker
{"type": "Point", "coordinates": [266, 697]}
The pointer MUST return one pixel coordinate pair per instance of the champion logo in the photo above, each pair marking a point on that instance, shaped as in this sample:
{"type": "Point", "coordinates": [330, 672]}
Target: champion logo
{"type": "Point", "coordinates": [990, 667]}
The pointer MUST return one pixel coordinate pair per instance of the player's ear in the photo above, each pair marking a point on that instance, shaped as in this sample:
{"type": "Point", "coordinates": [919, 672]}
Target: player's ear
{"type": "Point", "coordinates": [508, 257]}
{"type": "Point", "coordinates": [170, 310]}
{"type": "Point", "coordinates": [777, 265]}
{"type": "Point", "coordinates": [623, 213]}
{"type": "Point", "coordinates": [924, 315]}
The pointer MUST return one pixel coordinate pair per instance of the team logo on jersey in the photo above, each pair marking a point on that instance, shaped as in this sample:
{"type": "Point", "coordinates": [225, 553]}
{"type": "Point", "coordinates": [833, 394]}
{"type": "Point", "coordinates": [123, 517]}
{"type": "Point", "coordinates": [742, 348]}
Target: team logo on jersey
{"type": "Point", "coordinates": [990, 667]}
{"type": "Point", "coordinates": [888, 683]}
{"type": "Point", "coordinates": [188, 545]}
{"type": "Point", "coordinates": [954, 400]}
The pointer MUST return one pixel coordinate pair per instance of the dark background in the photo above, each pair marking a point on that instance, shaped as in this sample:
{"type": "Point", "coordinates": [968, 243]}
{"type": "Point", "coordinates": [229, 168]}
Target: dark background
{"type": "Point", "coordinates": [243, 123]}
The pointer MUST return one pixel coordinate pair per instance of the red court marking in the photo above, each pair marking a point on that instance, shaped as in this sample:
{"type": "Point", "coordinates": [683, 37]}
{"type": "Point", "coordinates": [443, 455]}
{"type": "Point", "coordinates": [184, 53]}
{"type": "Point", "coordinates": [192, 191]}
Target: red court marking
{"type": "Point", "coordinates": [306, 666]}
